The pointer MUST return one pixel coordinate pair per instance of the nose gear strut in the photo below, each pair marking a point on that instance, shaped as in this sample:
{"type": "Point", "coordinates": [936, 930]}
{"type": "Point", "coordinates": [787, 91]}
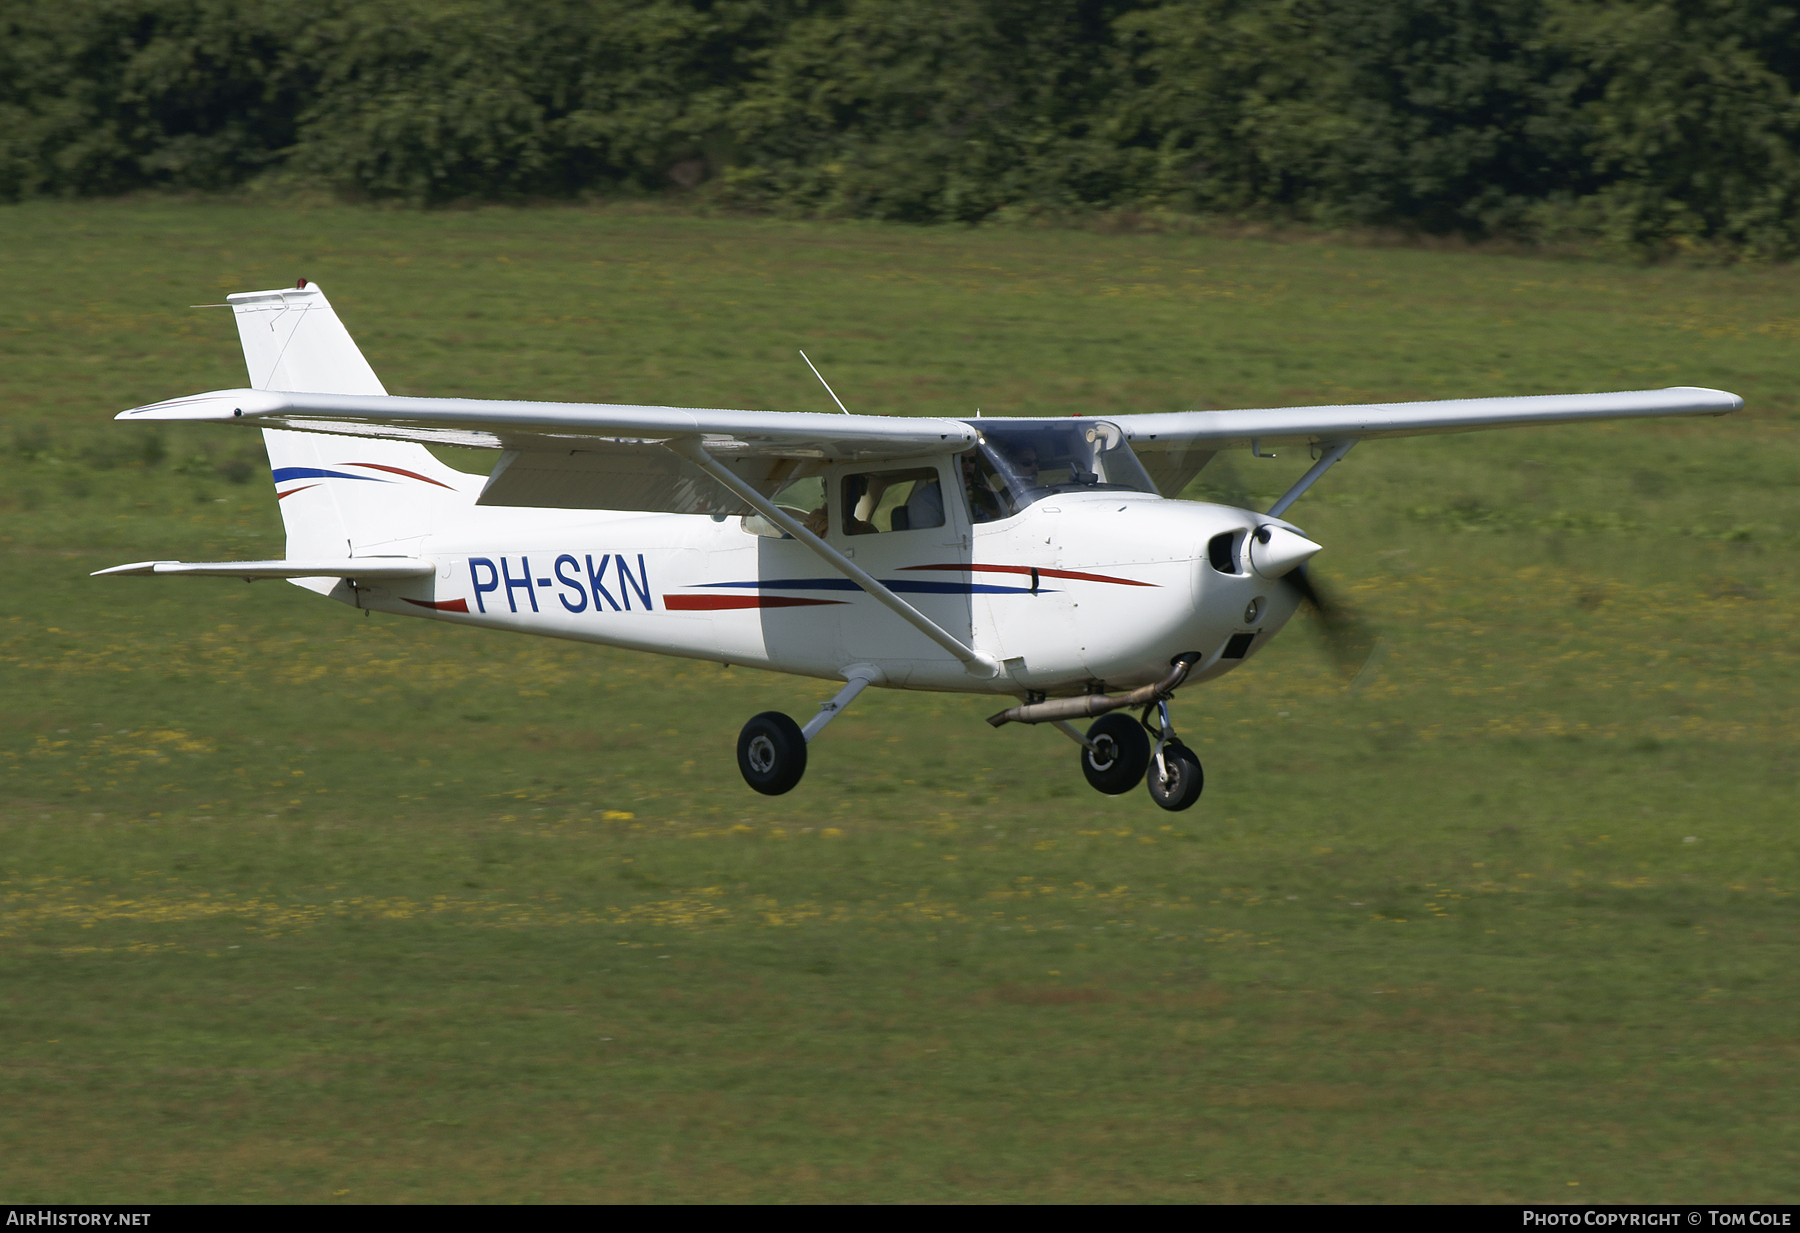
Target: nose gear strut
{"type": "Point", "coordinates": [1175, 778]}
{"type": "Point", "coordinates": [1116, 753]}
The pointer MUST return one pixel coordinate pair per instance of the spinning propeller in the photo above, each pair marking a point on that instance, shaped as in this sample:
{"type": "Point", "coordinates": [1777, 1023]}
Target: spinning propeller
{"type": "Point", "coordinates": [1348, 640]}
{"type": "Point", "coordinates": [1282, 556]}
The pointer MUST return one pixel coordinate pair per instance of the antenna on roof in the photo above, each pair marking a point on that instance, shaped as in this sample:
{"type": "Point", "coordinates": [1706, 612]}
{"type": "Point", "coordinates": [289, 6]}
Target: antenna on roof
{"type": "Point", "coordinates": [826, 384]}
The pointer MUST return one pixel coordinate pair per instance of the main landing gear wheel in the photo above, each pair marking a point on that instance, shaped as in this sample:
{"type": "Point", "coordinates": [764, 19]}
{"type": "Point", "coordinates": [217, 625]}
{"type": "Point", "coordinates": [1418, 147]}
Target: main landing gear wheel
{"type": "Point", "coordinates": [1177, 783]}
{"type": "Point", "coordinates": [1119, 752]}
{"type": "Point", "coordinates": [771, 753]}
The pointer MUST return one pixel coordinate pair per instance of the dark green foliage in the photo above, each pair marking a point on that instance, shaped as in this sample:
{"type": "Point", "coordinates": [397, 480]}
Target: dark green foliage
{"type": "Point", "coordinates": [430, 102]}
{"type": "Point", "coordinates": [1650, 126]}
{"type": "Point", "coordinates": [1691, 121]}
{"type": "Point", "coordinates": [1449, 116]}
{"type": "Point", "coordinates": [109, 95]}
{"type": "Point", "coordinates": [940, 111]}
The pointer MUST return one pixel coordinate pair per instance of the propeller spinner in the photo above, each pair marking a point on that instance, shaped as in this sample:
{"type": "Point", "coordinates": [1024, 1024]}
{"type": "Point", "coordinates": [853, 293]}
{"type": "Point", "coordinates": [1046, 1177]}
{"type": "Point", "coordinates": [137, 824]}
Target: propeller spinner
{"type": "Point", "coordinates": [1275, 552]}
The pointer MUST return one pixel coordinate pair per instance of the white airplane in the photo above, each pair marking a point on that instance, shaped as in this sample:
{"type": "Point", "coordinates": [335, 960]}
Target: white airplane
{"type": "Point", "coordinates": [1031, 559]}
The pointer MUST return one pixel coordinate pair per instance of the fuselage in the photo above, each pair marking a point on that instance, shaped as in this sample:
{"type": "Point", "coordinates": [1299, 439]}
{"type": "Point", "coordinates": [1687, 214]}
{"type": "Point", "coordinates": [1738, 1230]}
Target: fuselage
{"type": "Point", "coordinates": [1077, 590]}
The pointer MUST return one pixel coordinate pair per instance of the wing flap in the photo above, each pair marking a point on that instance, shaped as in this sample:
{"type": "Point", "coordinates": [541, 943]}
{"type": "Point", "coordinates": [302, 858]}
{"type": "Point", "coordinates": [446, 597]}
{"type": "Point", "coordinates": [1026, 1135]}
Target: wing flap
{"type": "Point", "coordinates": [625, 477]}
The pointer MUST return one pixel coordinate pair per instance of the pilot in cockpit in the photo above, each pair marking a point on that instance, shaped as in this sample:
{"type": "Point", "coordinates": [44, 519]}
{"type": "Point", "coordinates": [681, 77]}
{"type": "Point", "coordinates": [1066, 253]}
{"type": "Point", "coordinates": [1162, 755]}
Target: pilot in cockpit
{"type": "Point", "coordinates": [1017, 477]}
{"type": "Point", "coordinates": [1025, 468]}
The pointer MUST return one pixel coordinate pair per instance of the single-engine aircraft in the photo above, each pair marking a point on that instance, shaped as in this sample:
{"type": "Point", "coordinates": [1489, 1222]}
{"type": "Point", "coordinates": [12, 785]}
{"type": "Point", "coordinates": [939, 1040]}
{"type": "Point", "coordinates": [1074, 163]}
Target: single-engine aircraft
{"type": "Point", "coordinates": [1044, 561]}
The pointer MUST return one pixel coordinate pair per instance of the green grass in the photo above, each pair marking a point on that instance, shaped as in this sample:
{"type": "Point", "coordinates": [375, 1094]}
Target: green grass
{"type": "Point", "coordinates": [297, 904]}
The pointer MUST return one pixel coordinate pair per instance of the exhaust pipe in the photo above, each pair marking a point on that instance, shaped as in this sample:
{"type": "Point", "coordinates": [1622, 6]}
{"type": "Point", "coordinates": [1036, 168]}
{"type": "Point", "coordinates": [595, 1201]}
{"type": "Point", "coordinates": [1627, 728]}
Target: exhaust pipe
{"type": "Point", "coordinates": [1099, 704]}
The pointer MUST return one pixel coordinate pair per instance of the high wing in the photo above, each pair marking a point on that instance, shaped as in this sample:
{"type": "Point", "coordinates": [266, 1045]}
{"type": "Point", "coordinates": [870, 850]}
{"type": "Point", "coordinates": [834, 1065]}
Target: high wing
{"type": "Point", "coordinates": [1174, 446]}
{"type": "Point", "coordinates": [590, 455]}
{"type": "Point", "coordinates": [495, 424]}
{"type": "Point", "coordinates": [1301, 425]}
{"type": "Point", "coordinates": [595, 455]}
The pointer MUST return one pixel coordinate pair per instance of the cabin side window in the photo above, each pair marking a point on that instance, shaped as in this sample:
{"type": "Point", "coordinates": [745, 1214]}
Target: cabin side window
{"type": "Point", "coordinates": [804, 499]}
{"type": "Point", "coordinates": [877, 502]}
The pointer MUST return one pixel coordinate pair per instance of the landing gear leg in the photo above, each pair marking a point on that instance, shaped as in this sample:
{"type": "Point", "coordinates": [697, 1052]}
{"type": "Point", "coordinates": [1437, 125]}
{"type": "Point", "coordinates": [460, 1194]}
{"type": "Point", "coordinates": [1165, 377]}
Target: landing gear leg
{"type": "Point", "coordinates": [1175, 779]}
{"type": "Point", "coordinates": [771, 749]}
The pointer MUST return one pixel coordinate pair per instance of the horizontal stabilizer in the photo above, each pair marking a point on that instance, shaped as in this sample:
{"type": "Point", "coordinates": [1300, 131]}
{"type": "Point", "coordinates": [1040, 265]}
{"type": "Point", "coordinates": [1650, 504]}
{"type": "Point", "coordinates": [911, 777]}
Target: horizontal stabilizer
{"type": "Point", "coordinates": [250, 571]}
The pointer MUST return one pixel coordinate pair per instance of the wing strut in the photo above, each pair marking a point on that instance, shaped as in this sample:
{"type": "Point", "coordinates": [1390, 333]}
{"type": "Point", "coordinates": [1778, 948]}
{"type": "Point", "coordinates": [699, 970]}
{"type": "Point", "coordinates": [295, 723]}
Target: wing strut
{"type": "Point", "coordinates": [972, 660]}
{"type": "Point", "coordinates": [1334, 453]}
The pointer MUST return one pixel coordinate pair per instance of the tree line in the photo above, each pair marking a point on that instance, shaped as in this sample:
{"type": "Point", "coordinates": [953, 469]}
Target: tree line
{"type": "Point", "coordinates": [1647, 124]}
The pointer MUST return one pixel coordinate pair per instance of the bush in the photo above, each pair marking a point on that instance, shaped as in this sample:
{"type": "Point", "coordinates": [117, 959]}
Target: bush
{"type": "Point", "coordinates": [1654, 126]}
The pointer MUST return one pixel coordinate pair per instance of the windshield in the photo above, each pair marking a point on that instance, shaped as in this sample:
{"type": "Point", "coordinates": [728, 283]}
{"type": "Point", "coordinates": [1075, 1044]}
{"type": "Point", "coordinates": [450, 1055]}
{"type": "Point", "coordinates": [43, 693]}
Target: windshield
{"type": "Point", "coordinates": [1014, 465]}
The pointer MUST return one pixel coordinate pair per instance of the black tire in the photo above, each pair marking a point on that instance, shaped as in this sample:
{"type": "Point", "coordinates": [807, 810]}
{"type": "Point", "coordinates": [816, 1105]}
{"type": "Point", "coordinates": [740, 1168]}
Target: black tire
{"type": "Point", "coordinates": [1183, 781]}
{"type": "Point", "coordinates": [1120, 754]}
{"type": "Point", "coordinates": [771, 753]}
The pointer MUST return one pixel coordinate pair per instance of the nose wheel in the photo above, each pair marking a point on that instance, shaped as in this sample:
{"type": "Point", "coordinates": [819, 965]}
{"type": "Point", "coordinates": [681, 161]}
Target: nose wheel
{"type": "Point", "coordinates": [1174, 776]}
{"type": "Point", "coordinates": [1175, 779]}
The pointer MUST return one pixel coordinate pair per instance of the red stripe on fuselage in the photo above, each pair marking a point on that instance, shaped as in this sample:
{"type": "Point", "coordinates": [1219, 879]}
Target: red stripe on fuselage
{"type": "Point", "coordinates": [715, 603]}
{"type": "Point", "coordinates": [282, 496]}
{"type": "Point", "coordinates": [376, 466]}
{"type": "Point", "coordinates": [1074, 575]}
{"type": "Point", "coordinates": [443, 605]}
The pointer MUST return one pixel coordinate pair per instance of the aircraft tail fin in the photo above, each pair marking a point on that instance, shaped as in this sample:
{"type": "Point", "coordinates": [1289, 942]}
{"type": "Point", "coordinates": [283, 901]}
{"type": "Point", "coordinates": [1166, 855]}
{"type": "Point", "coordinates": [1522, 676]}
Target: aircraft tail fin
{"type": "Point", "coordinates": [341, 496]}
{"type": "Point", "coordinates": [294, 341]}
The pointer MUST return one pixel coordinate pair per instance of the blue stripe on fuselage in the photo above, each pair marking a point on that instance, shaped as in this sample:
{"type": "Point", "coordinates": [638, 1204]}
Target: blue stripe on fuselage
{"type": "Point", "coordinates": [293, 473]}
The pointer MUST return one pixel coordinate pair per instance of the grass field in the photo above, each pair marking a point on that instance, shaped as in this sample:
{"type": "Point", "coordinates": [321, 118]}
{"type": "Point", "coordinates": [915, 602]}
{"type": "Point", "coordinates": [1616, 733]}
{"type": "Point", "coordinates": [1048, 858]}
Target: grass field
{"type": "Point", "coordinates": [299, 905]}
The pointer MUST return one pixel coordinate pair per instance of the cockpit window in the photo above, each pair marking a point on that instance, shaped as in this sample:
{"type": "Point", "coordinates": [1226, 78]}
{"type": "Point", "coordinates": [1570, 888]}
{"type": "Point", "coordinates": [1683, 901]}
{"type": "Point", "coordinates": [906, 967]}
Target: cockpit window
{"type": "Point", "coordinates": [1014, 465]}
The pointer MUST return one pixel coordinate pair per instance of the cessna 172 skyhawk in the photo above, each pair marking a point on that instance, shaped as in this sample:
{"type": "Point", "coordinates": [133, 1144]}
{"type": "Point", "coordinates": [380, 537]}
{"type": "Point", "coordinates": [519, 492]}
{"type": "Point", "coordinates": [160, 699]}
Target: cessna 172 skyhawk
{"type": "Point", "coordinates": [1041, 560]}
